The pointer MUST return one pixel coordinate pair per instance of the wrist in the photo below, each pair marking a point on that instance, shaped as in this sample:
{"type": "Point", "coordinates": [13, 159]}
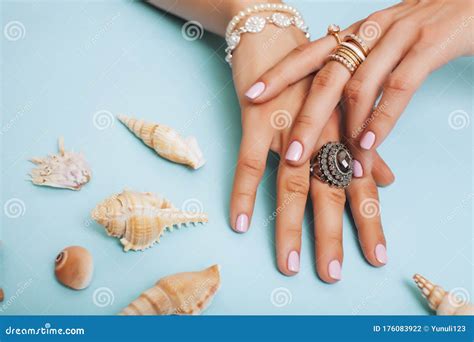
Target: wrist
{"type": "Point", "coordinates": [235, 6]}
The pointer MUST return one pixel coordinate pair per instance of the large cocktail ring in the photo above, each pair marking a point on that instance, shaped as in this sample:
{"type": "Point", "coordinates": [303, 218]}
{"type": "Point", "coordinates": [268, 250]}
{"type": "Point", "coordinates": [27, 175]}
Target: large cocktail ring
{"type": "Point", "coordinates": [333, 165]}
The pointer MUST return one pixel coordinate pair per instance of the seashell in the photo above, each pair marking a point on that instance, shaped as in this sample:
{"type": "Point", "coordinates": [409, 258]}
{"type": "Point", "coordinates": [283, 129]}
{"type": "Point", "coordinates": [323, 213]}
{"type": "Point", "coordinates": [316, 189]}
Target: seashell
{"type": "Point", "coordinates": [140, 218]}
{"type": "Point", "coordinates": [74, 267]}
{"type": "Point", "coordinates": [443, 302]}
{"type": "Point", "coordinates": [166, 142]}
{"type": "Point", "coordinates": [2, 296]}
{"type": "Point", "coordinates": [186, 293]}
{"type": "Point", "coordinates": [67, 170]}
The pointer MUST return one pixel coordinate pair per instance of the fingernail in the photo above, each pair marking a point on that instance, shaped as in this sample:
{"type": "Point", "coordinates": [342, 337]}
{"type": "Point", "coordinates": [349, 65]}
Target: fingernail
{"type": "Point", "coordinates": [357, 170]}
{"type": "Point", "coordinates": [334, 269]}
{"type": "Point", "coordinates": [294, 261]}
{"type": "Point", "coordinates": [367, 140]}
{"type": "Point", "coordinates": [255, 91]}
{"type": "Point", "coordinates": [381, 253]}
{"type": "Point", "coordinates": [294, 151]}
{"type": "Point", "coordinates": [242, 223]}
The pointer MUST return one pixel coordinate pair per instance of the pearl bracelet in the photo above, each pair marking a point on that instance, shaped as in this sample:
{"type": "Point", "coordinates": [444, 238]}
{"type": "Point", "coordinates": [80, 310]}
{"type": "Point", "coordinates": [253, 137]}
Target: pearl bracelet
{"type": "Point", "coordinates": [284, 16]}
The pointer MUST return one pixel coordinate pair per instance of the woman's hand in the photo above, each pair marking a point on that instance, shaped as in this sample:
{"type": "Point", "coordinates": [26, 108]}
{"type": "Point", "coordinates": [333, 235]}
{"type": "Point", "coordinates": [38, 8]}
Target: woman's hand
{"type": "Point", "coordinates": [408, 41]}
{"type": "Point", "coordinates": [267, 127]}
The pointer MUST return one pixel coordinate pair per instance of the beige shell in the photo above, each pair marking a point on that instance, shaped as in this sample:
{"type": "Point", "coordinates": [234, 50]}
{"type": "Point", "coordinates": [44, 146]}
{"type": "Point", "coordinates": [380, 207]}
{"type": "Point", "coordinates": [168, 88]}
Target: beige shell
{"type": "Point", "coordinates": [444, 303]}
{"type": "Point", "coordinates": [140, 218]}
{"type": "Point", "coordinates": [68, 170]}
{"type": "Point", "coordinates": [186, 293]}
{"type": "Point", "coordinates": [166, 142]}
{"type": "Point", "coordinates": [74, 267]}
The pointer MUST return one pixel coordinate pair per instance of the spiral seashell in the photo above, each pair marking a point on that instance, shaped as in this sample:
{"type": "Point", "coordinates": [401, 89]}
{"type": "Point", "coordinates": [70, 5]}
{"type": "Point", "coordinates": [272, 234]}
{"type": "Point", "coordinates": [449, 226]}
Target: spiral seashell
{"type": "Point", "coordinates": [66, 170]}
{"type": "Point", "coordinates": [444, 303]}
{"type": "Point", "coordinates": [140, 218]}
{"type": "Point", "coordinates": [187, 293]}
{"type": "Point", "coordinates": [166, 142]}
{"type": "Point", "coordinates": [74, 267]}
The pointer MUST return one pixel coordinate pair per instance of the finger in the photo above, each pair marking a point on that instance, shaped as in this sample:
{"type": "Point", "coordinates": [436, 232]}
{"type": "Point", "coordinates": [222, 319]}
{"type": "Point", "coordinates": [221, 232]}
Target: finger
{"type": "Point", "coordinates": [381, 172]}
{"type": "Point", "coordinates": [328, 210]}
{"type": "Point", "coordinates": [250, 168]}
{"type": "Point", "coordinates": [365, 207]}
{"type": "Point", "coordinates": [299, 63]}
{"type": "Point", "coordinates": [397, 92]}
{"type": "Point", "coordinates": [292, 193]}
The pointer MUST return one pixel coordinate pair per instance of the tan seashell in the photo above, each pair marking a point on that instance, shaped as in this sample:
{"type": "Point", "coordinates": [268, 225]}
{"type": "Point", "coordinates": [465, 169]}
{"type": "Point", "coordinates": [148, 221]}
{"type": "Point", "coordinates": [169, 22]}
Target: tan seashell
{"type": "Point", "coordinates": [186, 293]}
{"type": "Point", "coordinates": [2, 296]}
{"type": "Point", "coordinates": [67, 170]}
{"type": "Point", "coordinates": [74, 267]}
{"type": "Point", "coordinates": [140, 218]}
{"type": "Point", "coordinates": [166, 142]}
{"type": "Point", "coordinates": [444, 303]}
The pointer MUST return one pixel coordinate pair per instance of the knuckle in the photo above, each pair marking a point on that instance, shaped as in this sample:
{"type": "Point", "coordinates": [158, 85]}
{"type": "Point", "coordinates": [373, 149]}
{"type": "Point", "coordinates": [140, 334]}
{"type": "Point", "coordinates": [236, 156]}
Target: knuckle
{"type": "Point", "coordinates": [298, 185]}
{"type": "Point", "coordinates": [245, 193]}
{"type": "Point", "coordinates": [398, 84]}
{"type": "Point", "coordinates": [354, 90]}
{"type": "Point", "coordinates": [305, 120]}
{"type": "Point", "coordinates": [252, 166]}
{"type": "Point", "coordinates": [336, 197]}
{"type": "Point", "coordinates": [427, 34]}
{"type": "Point", "coordinates": [324, 79]}
{"type": "Point", "coordinates": [378, 16]}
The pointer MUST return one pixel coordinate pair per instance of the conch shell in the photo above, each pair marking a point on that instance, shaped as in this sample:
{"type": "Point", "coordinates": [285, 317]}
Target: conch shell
{"type": "Point", "coordinates": [140, 218]}
{"type": "Point", "coordinates": [186, 293]}
{"type": "Point", "coordinates": [166, 142]}
{"type": "Point", "coordinates": [444, 303]}
{"type": "Point", "coordinates": [67, 170]}
{"type": "Point", "coordinates": [74, 267]}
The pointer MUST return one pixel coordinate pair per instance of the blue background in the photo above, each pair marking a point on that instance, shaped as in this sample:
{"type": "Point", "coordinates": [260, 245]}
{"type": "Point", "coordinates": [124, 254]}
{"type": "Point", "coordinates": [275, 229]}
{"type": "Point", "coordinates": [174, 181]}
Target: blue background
{"type": "Point", "coordinates": [78, 58]}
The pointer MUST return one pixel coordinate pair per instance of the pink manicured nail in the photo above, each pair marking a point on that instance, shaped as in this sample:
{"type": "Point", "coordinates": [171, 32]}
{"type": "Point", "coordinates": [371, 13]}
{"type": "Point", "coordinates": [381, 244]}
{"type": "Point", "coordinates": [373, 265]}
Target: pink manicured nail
{"type": "Point", "coordinates": [255, 91]}
{"type": "Point", "coordinates": [294, 151]}
{"type": "Point", "coordinates": [334, 269]}
{"type": "Point", "coordinates": [242, 223]}
{"type": "Point", "coordinates": [294, 261]}
{"type": "Point", "coordinates": [357, 170]}
{"type": "Point", "coordinates": [367, 140]}
{"type": "Point", "coordinates": [381, 253]}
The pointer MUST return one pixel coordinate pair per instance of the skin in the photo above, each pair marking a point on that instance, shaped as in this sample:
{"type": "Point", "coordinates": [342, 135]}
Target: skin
{"type": "Point", "coordinates": [255, 55]}
{"type": "Point", "coordinates": [408, 41]}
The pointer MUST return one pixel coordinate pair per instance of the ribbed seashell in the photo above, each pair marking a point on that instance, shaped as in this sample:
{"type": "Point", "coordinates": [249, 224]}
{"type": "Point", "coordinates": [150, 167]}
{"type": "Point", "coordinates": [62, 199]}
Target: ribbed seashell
{"type": "Point", "coordinates": [140, 218]}
{"type": "Point", "coordinates": [68, 170]}
{"type": "Point", "coordinates": [443, 302]}
{"type": "Point", "coordinates": [186, 293]}
{"type": "Point", "coordinates": [166, 142]}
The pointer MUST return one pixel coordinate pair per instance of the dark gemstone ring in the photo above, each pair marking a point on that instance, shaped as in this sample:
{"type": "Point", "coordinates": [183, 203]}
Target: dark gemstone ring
{"type": "Point", "coordinates": [333, 165]}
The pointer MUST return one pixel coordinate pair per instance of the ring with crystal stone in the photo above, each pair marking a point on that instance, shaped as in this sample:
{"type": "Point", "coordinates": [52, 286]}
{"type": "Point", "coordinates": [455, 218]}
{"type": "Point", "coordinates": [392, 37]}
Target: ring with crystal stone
{"type": "Point", "coordinates": [333, 165]}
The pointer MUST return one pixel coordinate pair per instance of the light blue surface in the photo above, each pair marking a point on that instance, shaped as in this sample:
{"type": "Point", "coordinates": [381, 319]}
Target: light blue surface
{"type": "Point", "coordinates": [77, 58]}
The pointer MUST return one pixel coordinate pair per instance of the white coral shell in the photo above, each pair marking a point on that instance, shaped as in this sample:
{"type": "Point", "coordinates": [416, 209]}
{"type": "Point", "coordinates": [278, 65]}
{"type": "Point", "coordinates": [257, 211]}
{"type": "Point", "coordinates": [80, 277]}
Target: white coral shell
{"type": "Point", "coordinates": [66, 169]}
{"type": "Point", "coordinates": [140, 218]}
{"type": "Point", "coordinates": [186, 293]}
{"type": "Point", "coordinates": [166, 141]}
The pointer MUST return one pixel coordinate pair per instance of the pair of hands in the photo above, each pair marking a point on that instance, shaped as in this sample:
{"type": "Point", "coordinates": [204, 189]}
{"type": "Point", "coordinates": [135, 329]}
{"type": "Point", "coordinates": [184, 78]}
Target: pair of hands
{"type": "Point", "coordinates": [289, 110]}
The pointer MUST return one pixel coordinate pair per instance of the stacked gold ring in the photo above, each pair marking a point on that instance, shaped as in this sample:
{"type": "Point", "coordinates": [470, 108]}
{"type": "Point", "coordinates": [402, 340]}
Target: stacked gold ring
{"type": "Point", "coordinates": [351, 52]}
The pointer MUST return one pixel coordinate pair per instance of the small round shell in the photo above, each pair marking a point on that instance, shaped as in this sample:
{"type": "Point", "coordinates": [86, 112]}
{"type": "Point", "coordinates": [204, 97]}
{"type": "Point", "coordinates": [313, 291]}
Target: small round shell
{"type": "Point", "coordinates": [74, 267]}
